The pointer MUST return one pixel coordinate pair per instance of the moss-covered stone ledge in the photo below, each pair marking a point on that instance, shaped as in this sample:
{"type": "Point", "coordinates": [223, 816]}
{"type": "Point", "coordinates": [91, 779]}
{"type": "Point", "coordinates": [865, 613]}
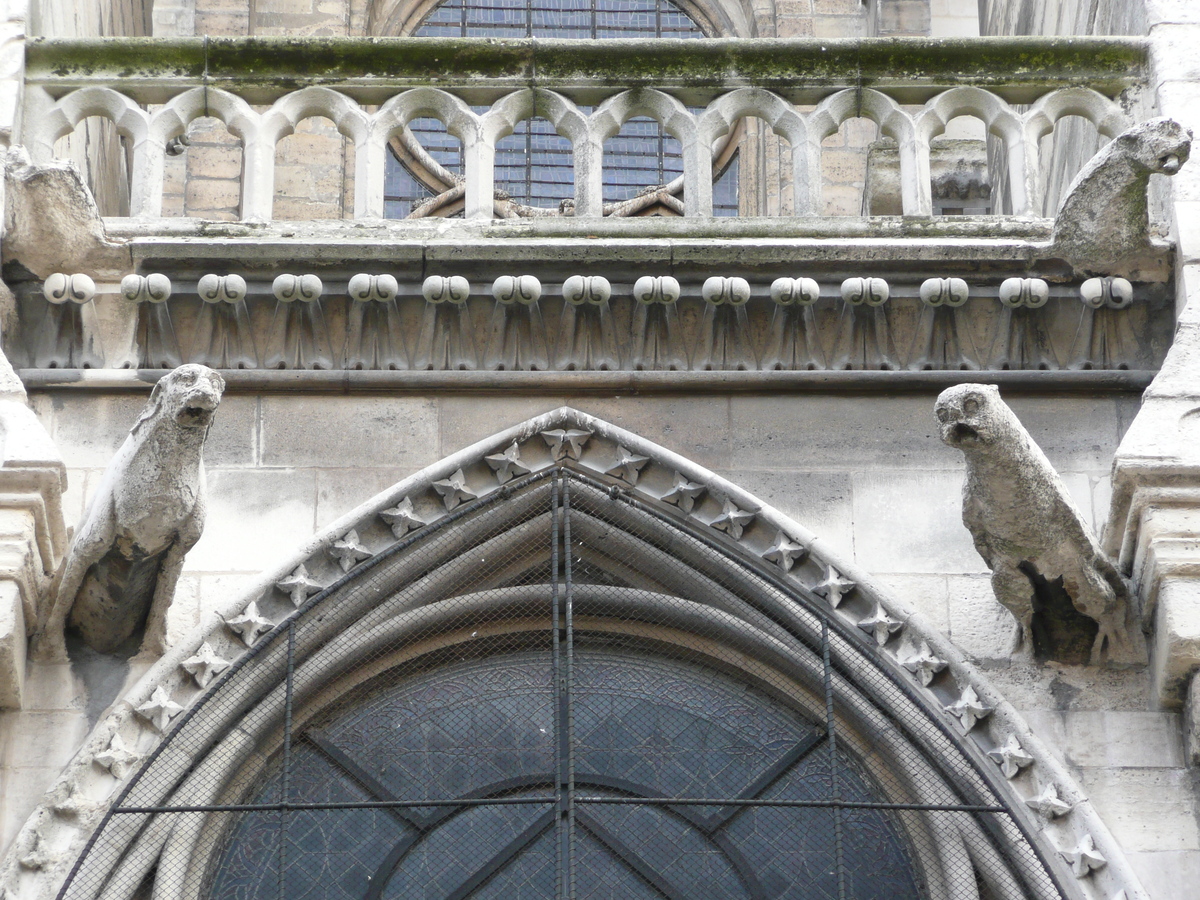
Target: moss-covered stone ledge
{"type": "Point", "coordinates": [911, 69]}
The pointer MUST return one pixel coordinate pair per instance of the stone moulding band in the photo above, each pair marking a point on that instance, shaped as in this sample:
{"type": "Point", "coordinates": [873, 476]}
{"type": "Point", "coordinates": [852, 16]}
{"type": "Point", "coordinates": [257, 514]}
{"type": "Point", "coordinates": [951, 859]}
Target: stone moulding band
{"type": "Point", "coordinates": [1110, 63]}
{"type": "Point", "coordinates": [351, 382]}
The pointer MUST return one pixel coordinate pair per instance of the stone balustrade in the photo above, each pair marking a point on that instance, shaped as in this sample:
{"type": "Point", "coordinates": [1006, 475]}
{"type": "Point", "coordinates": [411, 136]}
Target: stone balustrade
{"type": "Point", "coordinates": [698, 90]}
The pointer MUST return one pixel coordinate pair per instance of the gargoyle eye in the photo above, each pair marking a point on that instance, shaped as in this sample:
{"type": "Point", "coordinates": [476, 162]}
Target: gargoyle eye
{"type": "Point", "coordinates": [943, 414]}
{"type": "Point", "coordinates": [971, 406]}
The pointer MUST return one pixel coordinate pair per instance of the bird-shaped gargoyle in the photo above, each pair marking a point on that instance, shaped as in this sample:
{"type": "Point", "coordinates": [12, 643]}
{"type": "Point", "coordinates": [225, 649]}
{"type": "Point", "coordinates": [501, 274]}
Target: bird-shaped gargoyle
{"type": "Point", "coordinates": [120, 576]}
{"type": "Point", "coordinates": [1047, 567]}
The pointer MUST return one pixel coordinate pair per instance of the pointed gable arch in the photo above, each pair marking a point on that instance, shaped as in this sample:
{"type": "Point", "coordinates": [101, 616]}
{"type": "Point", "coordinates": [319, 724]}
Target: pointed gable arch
{"type": "Point", "coordinates": [566, 547]}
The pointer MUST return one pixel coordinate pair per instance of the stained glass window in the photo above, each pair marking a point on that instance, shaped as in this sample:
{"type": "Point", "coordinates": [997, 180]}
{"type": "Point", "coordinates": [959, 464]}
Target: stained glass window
{"type": "Point", "coordinates": [643, 727]}
{"type": "Point", "coordinates": [534, 164]}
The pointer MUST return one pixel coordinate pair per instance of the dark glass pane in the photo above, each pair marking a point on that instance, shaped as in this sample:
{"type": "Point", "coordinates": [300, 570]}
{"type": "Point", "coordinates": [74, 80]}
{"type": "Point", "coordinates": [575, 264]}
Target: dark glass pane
{"type": "Point", "coordinates": [534, 165]}
{"type": "Point", "coordinates": [644, 727]}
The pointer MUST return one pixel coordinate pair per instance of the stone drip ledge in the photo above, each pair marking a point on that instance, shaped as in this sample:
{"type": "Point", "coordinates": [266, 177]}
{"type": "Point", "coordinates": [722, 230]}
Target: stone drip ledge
{"type": "Point", "coordinates": [1044, 796]}
{"type": "Point", "coordinates": [486, 382]}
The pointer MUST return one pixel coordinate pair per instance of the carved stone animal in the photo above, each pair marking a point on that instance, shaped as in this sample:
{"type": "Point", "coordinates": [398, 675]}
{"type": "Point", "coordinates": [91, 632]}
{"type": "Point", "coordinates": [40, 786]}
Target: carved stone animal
{"type": "Point", "coordinates": [1026, 526]}
{"type": "Point", "coordinates": [1103, 224]}
{"type": "Point", "coordinates": [121, 572]}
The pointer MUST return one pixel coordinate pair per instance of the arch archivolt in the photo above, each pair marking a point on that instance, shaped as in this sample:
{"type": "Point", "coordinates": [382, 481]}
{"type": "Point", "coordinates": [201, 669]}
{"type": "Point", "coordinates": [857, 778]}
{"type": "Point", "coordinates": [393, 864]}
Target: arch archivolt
{"type": "Point", "coordinates": [747, 588]}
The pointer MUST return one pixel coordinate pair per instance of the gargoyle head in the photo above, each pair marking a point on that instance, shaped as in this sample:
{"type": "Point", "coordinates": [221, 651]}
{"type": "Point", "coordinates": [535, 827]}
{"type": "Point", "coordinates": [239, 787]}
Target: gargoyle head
{"type": "Point", "coordinates": [1159, 145]}
{"type": "Point", "coordinates": [971, 415]}
{"type": "Point", "coordinates": [187, 395]}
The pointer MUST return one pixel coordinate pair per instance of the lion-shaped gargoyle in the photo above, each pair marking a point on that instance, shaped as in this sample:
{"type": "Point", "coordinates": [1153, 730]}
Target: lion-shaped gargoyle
{"type": "Point", "coordinates": [120, 575]}
{"type": "Point", "coordinates": [1031, 534]}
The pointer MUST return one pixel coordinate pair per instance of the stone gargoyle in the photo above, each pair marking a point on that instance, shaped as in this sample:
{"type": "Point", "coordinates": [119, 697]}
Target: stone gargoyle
{"type": "Point", "coordinates": [1047, 568]}
{"type": "Point", "coordinates": [120, 575]}
{"type": "Point", "coordinates": [1103, 225]}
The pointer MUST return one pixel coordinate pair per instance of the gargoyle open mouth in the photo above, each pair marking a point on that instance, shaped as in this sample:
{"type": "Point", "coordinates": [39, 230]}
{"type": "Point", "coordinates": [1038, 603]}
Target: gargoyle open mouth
{"type": "Point", "coordinates": [963, 432]}
{"type": "Point", "coordinates": [1169, 164]}
{"type": "Point", "coordinates": [194, 414]}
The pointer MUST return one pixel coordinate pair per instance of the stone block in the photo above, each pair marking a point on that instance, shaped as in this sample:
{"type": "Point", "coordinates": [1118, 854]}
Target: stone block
{"type": "Point", "coordinates": [35, 738]}
{"type": "Point", "coordinates": [1167, 874]}
{"type": "Point", "coordinates": [1176, 651]}
{"type": "Point", "coordinates": [842, 433]}
{"type": "Point", "coordinates": [1077, 434]}
{"type": "Point", "coordinates": [356, 431]}
{"type": "Point", "coordinates": [89, 429]}
{"type": "Point", "coordinates": [903, 17]}
{"type": "Point", "coordinates": [341, 490]}
{"type": "Point", "coordinates": [465, 420]}
{"type": "Point", "coordinates": [256, 517]}
{"type": "Point", "coordinates": [1146, 809]}
{"type": "Point", "coordinates": [925, 594]}
{"type": "Point", "coordinates": [211, 195]}
{"type": "Point", "coordinates": [1172, 11]}
{"type": "Point", "coordinates": [979, 626]}
{"type": "Point", "coordinates": [912, 522]}
{"type": "Point", "coordinates": [696, 427]}
{"type": "Point", "coordinates": [820, 501]}
{"type": "Point", "coordinates": [12, 645]}
{"type": "Point", "coordinates": [217, 591]}
{"type": "Point", "coordinates": [838, 26]}
{"type": "Point", "coordinates": [843, 166]}
{"type": "Point", "coordinates": [1048, 725]}
{"type": "Point", "coordinates": [184, 613]}
{"type": "Point", "coordinates": [1122, 739]}
{"type": "Point", "coordinates": [842, 199]}
{"type": "Point", "coordinates": [1172, 52]}
{"type": "Point", "coordinates": [1186, 230]}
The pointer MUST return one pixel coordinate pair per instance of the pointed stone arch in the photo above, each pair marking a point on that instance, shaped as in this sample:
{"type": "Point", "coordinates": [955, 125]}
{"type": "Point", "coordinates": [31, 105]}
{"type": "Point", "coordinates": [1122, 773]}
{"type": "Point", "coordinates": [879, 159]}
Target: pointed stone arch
{"type": "Point", "coordinates": [686, 560]}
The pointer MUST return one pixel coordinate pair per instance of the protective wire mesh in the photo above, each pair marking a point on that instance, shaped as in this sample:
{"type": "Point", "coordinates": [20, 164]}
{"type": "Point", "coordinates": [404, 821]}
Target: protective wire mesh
{"type": "Point", "coordinates": [561, 690]}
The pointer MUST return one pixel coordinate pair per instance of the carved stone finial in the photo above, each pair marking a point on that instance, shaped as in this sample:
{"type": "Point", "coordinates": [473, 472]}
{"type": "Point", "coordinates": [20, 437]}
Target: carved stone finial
{"type": "Point", "coordinates": [299, 586]}
{"type": "Point", "coordinates": [59, 288]}
{"type": "Point", "coordinates": [1011, 757]}
{"type": "Point", "coordinates": [250, 624]}
{"type": "Point", "coordinates": [968, 709]}
{"type": "Point", "coordinates": [684, 493]}
{"type": "Point", "coordinates": [1084, 857]}
{"type": "Point", "coordinates": [154, 288]}
{"type": "Point", "coordinates": [923, 664]}
{"type": "Point", "coordinates": [785, 552]}
{"type": "Point", "coordinates": [148, 513]}
{"type": "Point", "coordinates": [159, 709]}
{"type": "Point", "coordinates": [1047, 568]}
{"type": "Point", "coordinates": [1103, 224]}
{"type": "Point", "coordinates": [117, 759]}
{"type": "Point", "coordinates": [1048, 805]}
{"type": "Point", "coordinates": [348, 551]}
{"type": "Point", "coordinates": [288, 288]}
{"type": "Point", "coordinates": [732, 520]}
{"type": "Point", "coordinates": [881, 625]}
{"type": "Point", "coordinates": [628, 465]}
{"type": "Point", "coordinates": [442, 289]}
{"type": "Point", "coordinates": [206, 665]}
{"type": "Point", "coordinates": [401, 518]}
{"type": "Point", "coordinates": [834, 587]}
{"type": "Point", "coordinates": [507, 465]}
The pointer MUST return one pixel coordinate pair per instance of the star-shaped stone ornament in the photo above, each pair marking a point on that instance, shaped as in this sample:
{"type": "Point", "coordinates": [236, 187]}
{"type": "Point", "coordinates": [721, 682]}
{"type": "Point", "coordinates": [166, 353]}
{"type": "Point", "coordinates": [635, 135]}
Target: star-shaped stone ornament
{"type": "Point", "coordinates": [205, 665]}
{"type": "Point", "coordinates": [732, 520]}
{"type": "Point", "coordinates": [299, 586]}
{"type": "Point", "coordinates": [684, 493]}
{"type": "Point", "coordinates": [923, 664]}
{"type": "Point", "coordinates": [1048, 805]}
{"type": "Point", "coordinates": [785, 552]}
{"type": "Point", "coordinates": [834, 587]}
{"type": "Point", "coordinates": [507, 465]}
{"type": "Point", "coordinates": [250, 624]}
{"type": "Point", "coordinates": [1011, 757]}
{"type": "Point", "coordinates": [348, 551]}
{"type": "Point", "coordinates": [566, 443]}
{"type": "Point", "coordinates": [628, 465]}
{"type": "Point", "coordinates": [968, 709]}
{"type": "Point", "coordinates": [159, 709]}
{"type": "Point", "coordinates": [117, 759]}
{"type": "Point", "coordinates": [454, 490]}
{"type": "Point", "coordinates": [401, 518]}
{"type": "Point", "coordinates": [880, 624]}
{"type": "Point", "coordinates": [1084, 857]}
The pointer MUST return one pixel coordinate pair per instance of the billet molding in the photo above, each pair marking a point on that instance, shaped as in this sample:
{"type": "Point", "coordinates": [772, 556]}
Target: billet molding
{"type": "Point", "coordinates": [567, 437]}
